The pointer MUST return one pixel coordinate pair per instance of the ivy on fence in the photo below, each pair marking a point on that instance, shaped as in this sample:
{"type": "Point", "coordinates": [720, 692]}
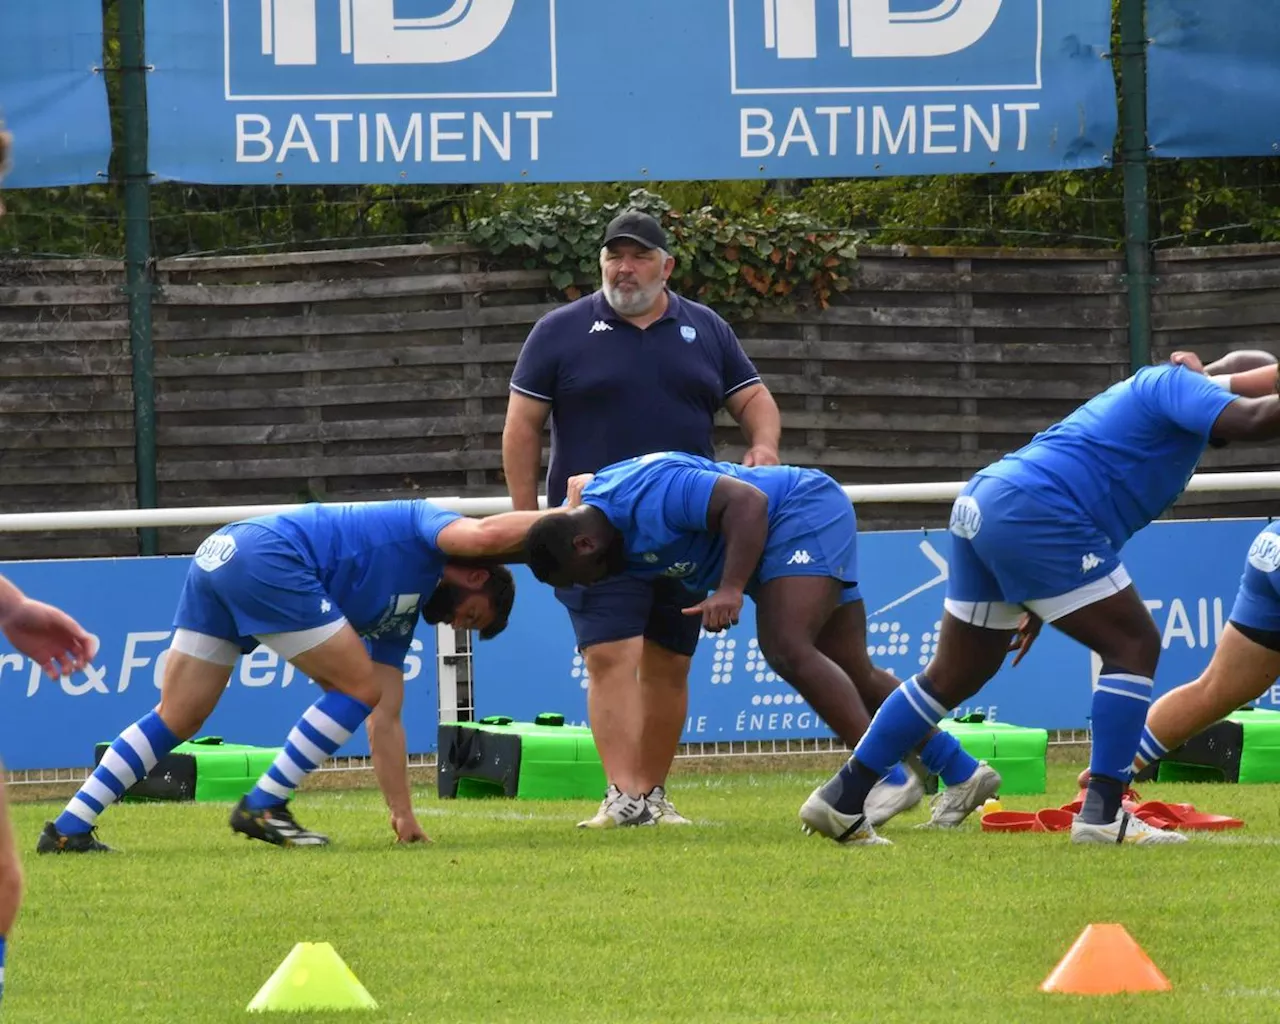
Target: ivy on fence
{"type": "Point", "coordinates": [732, 262]}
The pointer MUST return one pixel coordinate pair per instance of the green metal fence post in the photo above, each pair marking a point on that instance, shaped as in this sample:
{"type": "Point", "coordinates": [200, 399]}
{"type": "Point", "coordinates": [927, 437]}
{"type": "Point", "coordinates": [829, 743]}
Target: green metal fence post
{"type": "Point", "coordinates": [138, 255]}
{"type": "Point", "coordinates": [1133, 148]}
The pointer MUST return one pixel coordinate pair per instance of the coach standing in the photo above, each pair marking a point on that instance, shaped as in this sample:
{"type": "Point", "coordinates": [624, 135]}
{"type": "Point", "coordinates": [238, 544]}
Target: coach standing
{"type": "Point", "coordinates": [631, 369]}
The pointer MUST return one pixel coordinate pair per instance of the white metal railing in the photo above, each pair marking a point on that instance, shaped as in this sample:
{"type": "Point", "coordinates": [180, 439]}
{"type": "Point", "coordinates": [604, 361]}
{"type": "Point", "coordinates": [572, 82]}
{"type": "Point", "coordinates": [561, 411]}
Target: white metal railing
{"type": "Point", "coordinates": [218, 515]}
{"type": "Point", "coordinates": [31, 522]}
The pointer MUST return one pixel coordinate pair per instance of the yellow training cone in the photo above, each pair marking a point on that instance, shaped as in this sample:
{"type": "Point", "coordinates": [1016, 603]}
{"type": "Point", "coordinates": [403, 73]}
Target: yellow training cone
{"type": "Point", "coordinates": [312, 977]}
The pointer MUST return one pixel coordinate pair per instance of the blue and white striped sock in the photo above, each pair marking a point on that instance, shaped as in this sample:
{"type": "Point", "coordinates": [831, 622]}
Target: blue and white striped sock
{"type": "Point", "coordinates": [2, 952]}
{"type": "Point", "coordinates": [133, 754]}
{"type": "Point", "coordinates": [1150, 750]}
{"type": "Point", "coordinates": [901, 722]}
{"type": "Point", "coordinates": [322, 729]}
{"type": "Point", "coordinates": [1119, 712]}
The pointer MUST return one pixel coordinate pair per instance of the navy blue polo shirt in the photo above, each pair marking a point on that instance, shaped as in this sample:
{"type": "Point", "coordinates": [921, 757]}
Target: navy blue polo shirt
{"type": "Point", "coordinates": [617, 391]}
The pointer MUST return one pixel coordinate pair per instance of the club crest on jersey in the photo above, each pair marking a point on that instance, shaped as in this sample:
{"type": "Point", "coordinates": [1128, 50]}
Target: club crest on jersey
{"type": "Point", "coordinates": [966, 517]}
{"type": "Point", "coordinates": [397, 619]}
{"type": "Point", "coordinates": [1264, 553]}
{"type": "Point", "coordinates": [215, 552]}
{"type": "Point", "coordinates": [690, 334]}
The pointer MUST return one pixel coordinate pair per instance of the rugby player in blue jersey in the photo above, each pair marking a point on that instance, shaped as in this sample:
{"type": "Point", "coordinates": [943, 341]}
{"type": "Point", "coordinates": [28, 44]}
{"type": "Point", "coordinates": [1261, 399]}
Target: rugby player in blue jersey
{"type": "Point", "coordinates": [786, 537]}
{"type": "Point", "coordinates": [336, 590]}
{"type": "Point", "coordinates": [1036, 537]}
{"type": "Point", "coordinates": [1246, 661]}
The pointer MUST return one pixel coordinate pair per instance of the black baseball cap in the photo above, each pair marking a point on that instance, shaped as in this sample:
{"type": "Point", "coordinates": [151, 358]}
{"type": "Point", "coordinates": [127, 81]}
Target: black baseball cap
{"type": "Point", "coordinates": [638, 227]}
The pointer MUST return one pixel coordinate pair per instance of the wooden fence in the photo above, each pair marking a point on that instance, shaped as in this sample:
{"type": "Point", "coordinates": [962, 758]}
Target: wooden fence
{"type": "Point", "coordinates": [383, 372]}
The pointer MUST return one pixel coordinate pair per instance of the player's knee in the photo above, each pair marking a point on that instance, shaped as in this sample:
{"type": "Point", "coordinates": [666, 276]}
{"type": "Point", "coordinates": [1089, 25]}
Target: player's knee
{"type": "Point", "coordinates": [786, 655]}
{"type": "Point", "coordinates": [613, 664]}
{"type": "Point", "coordinates": [1137, 652]}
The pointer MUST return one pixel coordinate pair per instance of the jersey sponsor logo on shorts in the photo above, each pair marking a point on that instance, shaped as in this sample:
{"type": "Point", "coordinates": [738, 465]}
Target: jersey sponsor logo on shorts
{"type": "Point", "coordinates": [1264, 553]}
{"type": "Point", "coordinates": [966, 517]}
{"type": "Point", "coordinates": [800, 558]}
{"type": "Point", "coordinates": [1090, 561]}
{"type": "Point", "coordinates": [215, 552]}
{"type": "Point", "coordinates": [598, 326]}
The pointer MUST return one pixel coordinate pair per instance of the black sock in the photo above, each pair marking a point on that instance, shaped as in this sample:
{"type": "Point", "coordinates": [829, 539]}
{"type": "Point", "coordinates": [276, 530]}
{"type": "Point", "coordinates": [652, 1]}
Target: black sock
{"type": "Point", "coordinates": [848, 788]}
{"type": "Point", "coordinates": [1102, 800]}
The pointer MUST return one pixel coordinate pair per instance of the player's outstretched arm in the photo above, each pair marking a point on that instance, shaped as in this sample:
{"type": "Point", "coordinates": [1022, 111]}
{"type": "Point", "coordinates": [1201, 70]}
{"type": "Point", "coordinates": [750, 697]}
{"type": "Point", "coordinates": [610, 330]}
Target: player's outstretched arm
{"type": "Point", "coordinates": [1255, 383]}
{"type": "Point", "coordinates": [45, 634]}
{"type": "Point", "coordinates": [494, 537]}
{"type": "Point", "coordinates": [740, 513]}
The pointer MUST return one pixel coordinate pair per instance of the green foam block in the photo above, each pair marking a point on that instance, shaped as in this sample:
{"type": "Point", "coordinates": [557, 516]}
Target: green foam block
{"type": "Point", "coordinates": [540, 760]}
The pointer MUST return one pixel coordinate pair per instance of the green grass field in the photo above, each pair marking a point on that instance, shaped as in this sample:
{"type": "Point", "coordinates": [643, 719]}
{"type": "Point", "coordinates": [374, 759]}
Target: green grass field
{"type": "Point", "coordinates": [513, 915]}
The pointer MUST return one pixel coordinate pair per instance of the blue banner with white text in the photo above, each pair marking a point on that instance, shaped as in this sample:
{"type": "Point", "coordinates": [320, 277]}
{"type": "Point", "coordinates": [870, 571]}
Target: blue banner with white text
{"type": "Point", "coordinates": [128, 603]}
{"type": "Point", "coordinates": [1187, 573]}
{"type": "Point", "coordinates": [1213, 78]}
{"type": "Point", "coordinates": [393, 91]}
{"type": "Point", "coordinates": [52, 95]}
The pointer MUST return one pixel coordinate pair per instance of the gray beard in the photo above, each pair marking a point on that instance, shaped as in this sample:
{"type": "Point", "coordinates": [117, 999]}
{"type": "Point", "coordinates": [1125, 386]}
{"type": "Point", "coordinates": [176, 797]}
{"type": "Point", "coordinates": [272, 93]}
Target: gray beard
{"type": "Point", "coordinates": [636, 303]}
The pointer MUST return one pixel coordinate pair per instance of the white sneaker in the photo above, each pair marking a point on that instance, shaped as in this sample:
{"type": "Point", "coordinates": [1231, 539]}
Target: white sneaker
{"type": "Point", "coordinates": [1125, 829]}
{"type": "Point", "coordinates": [618, 810]}
{"type": "Point", "coordinates": [663, 810]}
{"type": "Point", "coordinates": [847, 829]}
{"type": "Point", "coordinates": [955, 803]}
{"type": "Point", "coordinates": [885, 799]}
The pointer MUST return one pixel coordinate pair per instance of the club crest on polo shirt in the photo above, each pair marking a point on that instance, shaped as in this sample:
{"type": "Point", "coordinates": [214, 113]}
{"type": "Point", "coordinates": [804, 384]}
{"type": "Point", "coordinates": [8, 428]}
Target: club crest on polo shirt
{"type": "Point", "coordinates": [689, 334]}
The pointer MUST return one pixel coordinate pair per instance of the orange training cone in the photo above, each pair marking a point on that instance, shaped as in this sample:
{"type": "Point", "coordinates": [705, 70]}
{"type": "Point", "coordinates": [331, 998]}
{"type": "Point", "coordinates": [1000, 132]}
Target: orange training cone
{"type": "Point", "coordinates": [1103, 961]}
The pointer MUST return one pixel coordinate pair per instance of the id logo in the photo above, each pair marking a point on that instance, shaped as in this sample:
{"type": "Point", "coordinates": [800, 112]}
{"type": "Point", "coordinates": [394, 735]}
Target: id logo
{"type": "Point", "coordinates": [389, 49]}
{"type": "Point", "coordinates": [884, 46]}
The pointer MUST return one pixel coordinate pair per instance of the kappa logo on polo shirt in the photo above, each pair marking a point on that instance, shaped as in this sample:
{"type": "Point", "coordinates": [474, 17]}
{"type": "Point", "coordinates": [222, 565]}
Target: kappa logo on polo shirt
{"type": "Point", "coordinates": [599, 325]}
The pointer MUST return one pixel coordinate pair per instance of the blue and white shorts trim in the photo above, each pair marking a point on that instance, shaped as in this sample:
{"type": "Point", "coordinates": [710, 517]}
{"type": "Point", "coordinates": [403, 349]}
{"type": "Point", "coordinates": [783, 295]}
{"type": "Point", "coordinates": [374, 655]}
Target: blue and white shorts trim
{"type": "Point", "coordinates": [1004, 615]}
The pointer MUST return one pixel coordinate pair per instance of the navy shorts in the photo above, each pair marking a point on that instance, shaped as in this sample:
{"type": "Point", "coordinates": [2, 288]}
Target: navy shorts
{"type": "Point", "coordinates": [622, 607]}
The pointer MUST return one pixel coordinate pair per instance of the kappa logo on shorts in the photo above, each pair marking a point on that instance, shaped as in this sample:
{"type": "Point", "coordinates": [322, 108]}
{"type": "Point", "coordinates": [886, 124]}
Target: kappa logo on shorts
{"type": "Point", "coordinates": [215, 552]}
{"type": "Point", "coordinates": [966, 517]}
{"type": "Point", "coordinates": [1090, 561]}
{"type": "Point", "coordinates": [680, 570]}
{"type": "Point", "coordinates": [800, 558]}
{"type": "Point", "coordinates": [1264, 553]}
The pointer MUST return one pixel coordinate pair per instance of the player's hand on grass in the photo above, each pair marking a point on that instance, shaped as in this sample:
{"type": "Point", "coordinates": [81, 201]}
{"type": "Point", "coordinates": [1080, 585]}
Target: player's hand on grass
{"type": "Point", "coordinates": [576, 486]}
{"type": "Point", "coordinates": [719, 610]}
{"type": "Point", "coordinates": [1188, 359]}
{"type": "Point", "coordinates": [49, 637]}
{"type": "Point", "coordinates": [760, 455]}
{"type": "Point", "coordinates": [1028, 630]}
{"type": "Point", "coordinates": [408, 830]}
